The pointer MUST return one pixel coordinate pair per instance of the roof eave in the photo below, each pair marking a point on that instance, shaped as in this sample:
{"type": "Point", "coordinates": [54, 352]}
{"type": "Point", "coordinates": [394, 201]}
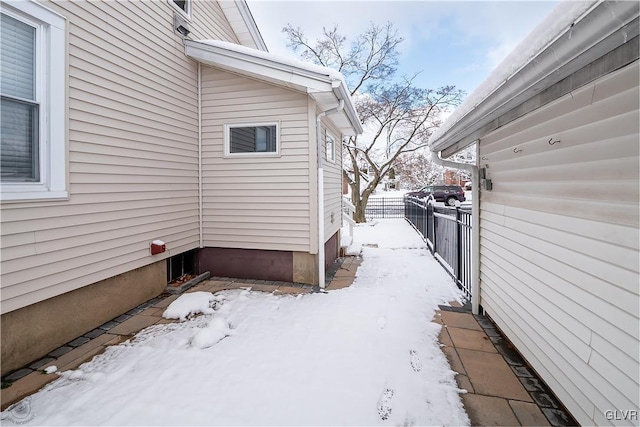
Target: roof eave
{"type": "Point", "coordinates": [246, 24]}
{"type": "Point", "coordinates": [575, 47]}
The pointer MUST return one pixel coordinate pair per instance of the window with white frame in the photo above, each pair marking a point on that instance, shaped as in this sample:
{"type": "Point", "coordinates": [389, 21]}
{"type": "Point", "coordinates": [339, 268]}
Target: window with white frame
{"type": "Point", "coordinates": [330, 147]}
{"type": "Point", "coordinates": [252, 139]}
{"type": "Point", "coordinates": [32, 82]}
{"type": "Point", "coordinates": [183, 6]}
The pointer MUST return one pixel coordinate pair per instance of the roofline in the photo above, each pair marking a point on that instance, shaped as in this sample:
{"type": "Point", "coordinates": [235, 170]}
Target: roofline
{"type": "Point", "coordinates": [268, 67]}
{"type": "Point", "coordinates": [247, 17]}
{"type": "Point", "coordinates": [598, 30]}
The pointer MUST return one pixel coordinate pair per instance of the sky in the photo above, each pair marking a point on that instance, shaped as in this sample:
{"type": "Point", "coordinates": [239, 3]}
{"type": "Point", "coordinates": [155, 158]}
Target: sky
{"type": "Point", "coordinates": [448, 42]}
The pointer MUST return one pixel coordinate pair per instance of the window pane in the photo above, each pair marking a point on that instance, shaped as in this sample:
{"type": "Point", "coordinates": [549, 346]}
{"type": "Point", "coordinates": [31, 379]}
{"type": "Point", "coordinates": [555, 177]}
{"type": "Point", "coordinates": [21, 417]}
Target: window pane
{"type": "Point", "coordinates": [19, 141]}
{"type": "Point", "coordinates": [330, 148]}
{"type": "Point", "coordinates": [17, 61]}
{"type": "Point", "coordinates": [253, 139]}
{"type": "Point", "coordinates": [182, 4]}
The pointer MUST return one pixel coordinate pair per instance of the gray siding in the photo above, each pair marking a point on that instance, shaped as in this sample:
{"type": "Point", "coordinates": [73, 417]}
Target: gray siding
{"type": "Point", "coordinates": [560, 243]}
{"type": "Point", "coordinates": [255, 202]}
{"type": "Point", "coordinates": [132, 152]}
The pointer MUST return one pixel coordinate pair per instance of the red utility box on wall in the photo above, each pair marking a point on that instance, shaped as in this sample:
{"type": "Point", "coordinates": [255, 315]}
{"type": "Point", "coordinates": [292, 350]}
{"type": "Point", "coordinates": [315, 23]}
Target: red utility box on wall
{"type": "Point", "coordinates": [157, 247]}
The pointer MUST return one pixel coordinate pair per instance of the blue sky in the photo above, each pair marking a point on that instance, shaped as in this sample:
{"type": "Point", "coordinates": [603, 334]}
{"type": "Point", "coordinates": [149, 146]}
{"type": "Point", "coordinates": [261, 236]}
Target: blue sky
{"type": "Point", "coordinates": [449, 42]}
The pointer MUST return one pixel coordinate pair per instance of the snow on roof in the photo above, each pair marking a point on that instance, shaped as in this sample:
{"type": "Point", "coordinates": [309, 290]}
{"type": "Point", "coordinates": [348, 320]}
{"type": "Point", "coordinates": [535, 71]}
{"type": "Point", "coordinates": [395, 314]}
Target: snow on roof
{"type": "Point", "coordinates": [550, 29]}
{"type": "Point", "coordinates": [281, 59]}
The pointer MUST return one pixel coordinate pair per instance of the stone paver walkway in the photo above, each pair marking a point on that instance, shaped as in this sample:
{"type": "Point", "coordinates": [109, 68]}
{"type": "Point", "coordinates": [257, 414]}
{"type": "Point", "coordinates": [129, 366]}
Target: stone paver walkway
{"type": "Point", "coordinates": [501, 389]}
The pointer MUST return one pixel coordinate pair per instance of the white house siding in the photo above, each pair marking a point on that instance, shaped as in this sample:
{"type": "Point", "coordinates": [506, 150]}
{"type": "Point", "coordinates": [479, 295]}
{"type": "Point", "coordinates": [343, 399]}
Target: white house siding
{"type": "Point", "coordinates": [132, 153]}
{"type": "Point", "coordinates": [254, 202]}
{"type": "Point", "coordinates": [559, 243]}
{"type": "Point", "coordinates": [332, 183]}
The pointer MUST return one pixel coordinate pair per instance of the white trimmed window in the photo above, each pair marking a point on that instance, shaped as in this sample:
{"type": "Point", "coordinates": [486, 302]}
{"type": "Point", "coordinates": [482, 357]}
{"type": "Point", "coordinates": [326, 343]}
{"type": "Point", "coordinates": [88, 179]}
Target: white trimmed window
{"type": "Point", "coordinates": [182, 6]}
{"type": "Point", "coordinates": [252, 139]}
{"type": "Point", "coordinates": [32, 85]}
{"type": "Point", "coordinates": [330, 147]}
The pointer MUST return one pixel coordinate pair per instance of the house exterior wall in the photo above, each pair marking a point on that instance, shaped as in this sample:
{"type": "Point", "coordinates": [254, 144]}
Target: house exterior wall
{"type": "Point", "coordinates": [560, 243]}
{"type": "Point", "coordinates": [132, 152]}
{"type": "Point", "coordinates": [255, 202]}
{"type": "Point", "coordinates": [332, 192]}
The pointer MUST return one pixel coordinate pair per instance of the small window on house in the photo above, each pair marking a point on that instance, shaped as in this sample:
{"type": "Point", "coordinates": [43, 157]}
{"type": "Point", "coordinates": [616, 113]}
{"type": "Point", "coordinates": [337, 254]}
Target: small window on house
{"type": "Point", "coordinates": [330, 147]}
{"type": "Point", "coordinates": [251, 139]}
{"type": "Point", "coordinates": [183, 6]}
{"type": "Point", "coordinates": [32, 82]}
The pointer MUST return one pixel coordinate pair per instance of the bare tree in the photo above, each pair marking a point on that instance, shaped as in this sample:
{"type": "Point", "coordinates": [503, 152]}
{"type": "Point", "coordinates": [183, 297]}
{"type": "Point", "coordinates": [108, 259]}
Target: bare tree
{"type": "Point", "coordinates": [398, 117]}
{"type": "Point", "coordinates": [415, 170]}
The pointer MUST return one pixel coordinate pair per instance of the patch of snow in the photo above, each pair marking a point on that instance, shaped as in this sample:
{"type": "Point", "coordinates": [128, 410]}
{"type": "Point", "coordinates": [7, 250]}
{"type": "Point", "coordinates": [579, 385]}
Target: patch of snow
{"type": "Point", "coordinates": [158, 242]}
{"type": "Point", "coordinates": [316, 359]}
{"type": "Point", "coordinates": [389, 194]}
{"type": "Point", "coordinates": [50, 369]}
{"type": "Point", "coordinates": [345, 240]}
{"type": "Point", "coordinates": [217, 329]}
{"type": "Point", "coordinates": [189, 304]}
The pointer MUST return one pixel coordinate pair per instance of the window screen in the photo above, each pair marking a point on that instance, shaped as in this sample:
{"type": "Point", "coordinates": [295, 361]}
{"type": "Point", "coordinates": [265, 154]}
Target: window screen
{"type": "Point", "coordinates": [19, 117]}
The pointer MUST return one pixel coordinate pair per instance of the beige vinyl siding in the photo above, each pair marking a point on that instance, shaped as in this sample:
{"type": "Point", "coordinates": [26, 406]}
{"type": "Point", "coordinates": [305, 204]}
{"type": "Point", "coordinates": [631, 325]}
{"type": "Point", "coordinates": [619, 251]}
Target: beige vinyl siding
{"type": "Point", "coordinates": [254, 201]}
{"type": "Point", "coordinates": [560, 243]}
{"type": "Point", "coordinates": [132, 153]}
{"type": "Point", "coordinates": [332, 182]}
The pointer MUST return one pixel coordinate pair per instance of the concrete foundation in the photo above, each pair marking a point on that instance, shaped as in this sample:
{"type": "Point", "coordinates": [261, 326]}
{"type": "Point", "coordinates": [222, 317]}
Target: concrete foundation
{"type": "Point", "coordinates": [31, 332]}
{"type": "Point", "coordinates": [283, 266]}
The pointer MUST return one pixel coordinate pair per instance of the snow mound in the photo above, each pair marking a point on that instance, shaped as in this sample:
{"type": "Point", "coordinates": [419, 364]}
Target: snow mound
{"type": "Point", "coordinates": [217, 329]}
{"type": "Point", "coordinates": [188, 304]}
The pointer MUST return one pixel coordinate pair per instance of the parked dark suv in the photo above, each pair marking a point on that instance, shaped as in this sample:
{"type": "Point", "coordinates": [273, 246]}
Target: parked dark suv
{"type": "Point", "coordinates": [442, 193]}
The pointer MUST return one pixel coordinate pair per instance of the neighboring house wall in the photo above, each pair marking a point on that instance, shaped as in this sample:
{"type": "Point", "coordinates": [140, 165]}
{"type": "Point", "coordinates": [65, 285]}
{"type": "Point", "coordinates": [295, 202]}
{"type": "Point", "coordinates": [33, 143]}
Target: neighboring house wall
{"type": "Point", "coordinates": [254, 201]}
{"type": "Point", "coordinates": [132, 167]}
{"type": "Point", "coordinates": [559, 242]}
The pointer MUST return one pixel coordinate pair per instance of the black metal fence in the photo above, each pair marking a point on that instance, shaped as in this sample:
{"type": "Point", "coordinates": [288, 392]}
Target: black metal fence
{"type": "Point", "coordinates": [384, 208]}
{"type": "Point", "coordinates": [447, 232]}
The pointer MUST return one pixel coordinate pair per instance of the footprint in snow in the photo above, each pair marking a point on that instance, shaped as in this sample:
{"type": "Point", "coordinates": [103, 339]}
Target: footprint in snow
{"type": "Point", "coordinates": [384, 404]}
{"type": "Point", "coordinates": [382, 322]}
{"type": "Point", "coordinates": [416, 362]}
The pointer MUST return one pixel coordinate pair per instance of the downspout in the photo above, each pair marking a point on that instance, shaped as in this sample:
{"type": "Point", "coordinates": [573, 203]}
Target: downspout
{"type": "Point", "coordinates": [475, 224]}
{"type": "Point", "coordinates": [321, 257]}
{"type": "Point", "coordinates": [200, 154]}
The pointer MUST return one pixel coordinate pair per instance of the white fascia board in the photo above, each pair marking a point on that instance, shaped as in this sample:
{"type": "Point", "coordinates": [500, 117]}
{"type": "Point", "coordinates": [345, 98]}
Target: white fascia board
{"type": "Point", "coordinates": [597, 29]}
{"type": "Point", "coordinates": [242, 23]}
{"type": "Point", "coordinates": [258, 67]}
{"type": "Point", "coordinates": [252, 27]}
{"type": "Point", "coordinates": [349, 108]}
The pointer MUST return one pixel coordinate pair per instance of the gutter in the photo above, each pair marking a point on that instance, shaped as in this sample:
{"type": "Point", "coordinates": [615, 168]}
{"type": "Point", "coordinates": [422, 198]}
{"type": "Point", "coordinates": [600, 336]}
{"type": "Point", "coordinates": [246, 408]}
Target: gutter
{"type": "Point", "coordinates": [320, 213]}
{"type": "Point", "coordinates": [475, 224]}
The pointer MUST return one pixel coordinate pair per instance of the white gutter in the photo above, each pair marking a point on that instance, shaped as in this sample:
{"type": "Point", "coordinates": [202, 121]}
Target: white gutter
{"type": "Point", "coordinates": [475, 224]}
{"type": "Point", "coordinates": [321, 258]}
{"type": "Point", "coordinates": [200, 154]}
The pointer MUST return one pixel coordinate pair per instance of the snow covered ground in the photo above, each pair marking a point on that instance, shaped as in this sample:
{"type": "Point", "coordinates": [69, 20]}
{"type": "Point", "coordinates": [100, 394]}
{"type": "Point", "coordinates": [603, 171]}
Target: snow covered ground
{"type": "Point", "coordinates": [364, 355]}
